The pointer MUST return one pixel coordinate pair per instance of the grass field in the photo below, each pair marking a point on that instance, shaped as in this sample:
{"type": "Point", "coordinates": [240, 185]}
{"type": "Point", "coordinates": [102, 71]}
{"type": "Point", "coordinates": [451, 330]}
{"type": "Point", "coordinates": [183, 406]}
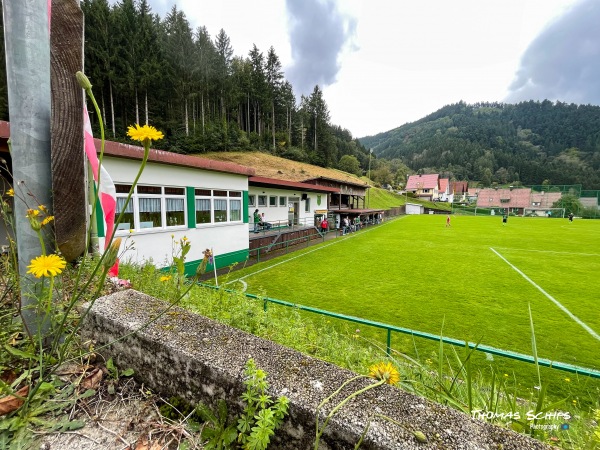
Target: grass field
{"type": "Point", "coordinates": [474, 281]}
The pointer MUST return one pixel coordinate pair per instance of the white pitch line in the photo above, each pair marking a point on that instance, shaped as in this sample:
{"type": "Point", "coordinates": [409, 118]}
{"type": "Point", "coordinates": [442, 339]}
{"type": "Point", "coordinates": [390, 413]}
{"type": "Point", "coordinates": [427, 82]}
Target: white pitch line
{"type": "Point", "coordinates": [552, 299]}
{"type": "Point", "coordinates": [548, 251]}
{"type": "Point", "coordinates": [306, 253]}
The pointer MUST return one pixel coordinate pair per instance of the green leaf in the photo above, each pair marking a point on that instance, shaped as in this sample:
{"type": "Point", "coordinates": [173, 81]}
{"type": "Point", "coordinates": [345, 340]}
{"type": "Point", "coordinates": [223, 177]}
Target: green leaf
{"type": "Point", "coordinates": [19, 353]}
{"type": "Point", "coordinates": [127, 372]}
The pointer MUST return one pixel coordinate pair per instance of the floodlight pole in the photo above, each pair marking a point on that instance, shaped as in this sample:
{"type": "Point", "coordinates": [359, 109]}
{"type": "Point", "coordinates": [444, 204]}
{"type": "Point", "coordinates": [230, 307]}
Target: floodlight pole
{"type": "Point", "coordinates": [369, 177]}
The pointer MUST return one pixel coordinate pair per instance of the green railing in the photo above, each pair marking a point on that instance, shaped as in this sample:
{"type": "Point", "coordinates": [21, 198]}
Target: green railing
{"type": "Point", "coordinates": [434, 337]}
{"type": "Point", "coordinates": [286, 244]}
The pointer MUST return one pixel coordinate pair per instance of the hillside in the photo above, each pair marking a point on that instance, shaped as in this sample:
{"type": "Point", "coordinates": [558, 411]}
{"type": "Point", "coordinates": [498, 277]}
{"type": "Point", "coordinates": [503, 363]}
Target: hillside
{"type": "Point", "coordinates": [270, 166]}
{"type": "Point", "coordinates": [503, 143]}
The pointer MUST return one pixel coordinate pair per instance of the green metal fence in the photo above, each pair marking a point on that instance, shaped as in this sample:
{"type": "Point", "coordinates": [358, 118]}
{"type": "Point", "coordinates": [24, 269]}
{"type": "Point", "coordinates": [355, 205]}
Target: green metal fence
{"type": "Point", "coordinates": [434, 337]}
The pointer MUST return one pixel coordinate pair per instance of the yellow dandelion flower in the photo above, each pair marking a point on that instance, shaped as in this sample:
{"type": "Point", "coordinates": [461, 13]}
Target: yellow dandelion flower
{"type": "Point", "coordinates": [165, 278]}
{"type": "Point", "coordinates": [568, 380]}
{"type": "Point", "coordinates": [32, 213]}
{"type": "Point", "coordinates": [574, 402]}
{"type": "Point", "coordinates": [47, 220]}
{"type": "Point", "coordinates": [10, 192]}
{"type": "Point", "coordinates": [505, 375]}
{"type": "Point", "coordinates": [43, 208]}
{"type": "Point", "coordinates": [46, 266]}
{"type": "Point", "coordinates": [384, 371]}
{"type": "Point", "coordinates": [144, 133]}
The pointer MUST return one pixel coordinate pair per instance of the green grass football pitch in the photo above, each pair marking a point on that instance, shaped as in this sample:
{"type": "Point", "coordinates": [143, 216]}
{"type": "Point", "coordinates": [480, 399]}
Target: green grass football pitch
{"type": "Point", "coordinates": [472, 281]}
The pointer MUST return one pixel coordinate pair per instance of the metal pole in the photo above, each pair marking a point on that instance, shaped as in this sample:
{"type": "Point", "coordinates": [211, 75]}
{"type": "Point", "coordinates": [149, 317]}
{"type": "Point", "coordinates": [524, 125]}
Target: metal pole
{"type": "Point", "coordinates": [27, 43]}
{"type": "Point", "coordinates": [369, 177]}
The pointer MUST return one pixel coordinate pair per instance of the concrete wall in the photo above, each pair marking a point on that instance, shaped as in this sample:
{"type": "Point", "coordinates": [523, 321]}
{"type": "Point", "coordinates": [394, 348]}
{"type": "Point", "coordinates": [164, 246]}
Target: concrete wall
{"type": "Point", "coordinates": [187, 355]}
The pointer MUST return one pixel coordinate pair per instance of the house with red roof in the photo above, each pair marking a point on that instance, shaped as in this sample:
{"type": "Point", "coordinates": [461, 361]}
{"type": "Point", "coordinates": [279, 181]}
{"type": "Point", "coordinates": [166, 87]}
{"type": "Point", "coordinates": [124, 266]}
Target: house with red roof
{"type": "Point", "coordinates": [517, 200]}
{"type": "Point", "coordinates": [445, 193]}
{"type": "Point", "coordinates": [459, 190]}
{"type": "Point", "coordinates": [425, 187]}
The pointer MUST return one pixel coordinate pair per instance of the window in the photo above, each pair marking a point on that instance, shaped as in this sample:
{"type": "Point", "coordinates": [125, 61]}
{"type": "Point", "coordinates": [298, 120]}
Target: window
{"type": "Point", "coordinates": [174, 206]}
{"type": "Point", "coordinates": [307, 205]}
{"type": "Point", "coordinates": [220, 210]}
{"type": "Point", "coordinates": [262, 200]}
{"type": "Point", "coordinates": [150, 212]}
{"type": "Point", "coordinates": [282, 201]}
{"type": "Point", "coordinates": [128, 219]}
{"type": "Point", "coordinates": [216, 206]}
{"type": "Point", "coordinates": [151, 207]}
{"type": "Point", "coordinates": [235, 208]}
{"type": "Point", "coordinates": [272, 200]}
{"type": "Point", "coordinates": [252, 200]}
{"type": "Point", "coordinates": [203, 212]}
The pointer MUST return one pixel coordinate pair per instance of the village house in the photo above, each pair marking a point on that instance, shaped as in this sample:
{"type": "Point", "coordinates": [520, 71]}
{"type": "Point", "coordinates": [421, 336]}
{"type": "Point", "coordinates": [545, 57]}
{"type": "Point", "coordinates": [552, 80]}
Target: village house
{"type": "Point", "coordinates": [517, 200]}
{"type": "Point", "coordinates": [424, 187]}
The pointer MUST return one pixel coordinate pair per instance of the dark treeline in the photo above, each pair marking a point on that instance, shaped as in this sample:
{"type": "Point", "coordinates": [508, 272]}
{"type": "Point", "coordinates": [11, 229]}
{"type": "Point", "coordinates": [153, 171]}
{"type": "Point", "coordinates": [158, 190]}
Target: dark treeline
{"type": "Point", "coordinates": [495, 143]}
{"type": "Point", "coordinates": [188, 84]}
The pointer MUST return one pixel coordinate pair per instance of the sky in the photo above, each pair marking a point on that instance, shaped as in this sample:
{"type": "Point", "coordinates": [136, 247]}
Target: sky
{"type": "Point", "coordinates": [384, 63]}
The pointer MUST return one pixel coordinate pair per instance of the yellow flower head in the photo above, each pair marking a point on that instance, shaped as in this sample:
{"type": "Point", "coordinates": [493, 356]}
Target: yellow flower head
{"type": "Point", "coordinates": [46, 266]}
{"type": "Point", "coordinates": [568, 380]}
{"type": "Point", "coordinates": [10, 192]}
{"type": "Point", "coordinates": [47, 220]}
{"type": "Point", "coordinates": [112, 253]}
{"type": "Point", "coordinates": [32, 213]}
{"type": "Point", "coordinates": [43, 208]}
{"type": "Point", "coordinates": [165, 278]}
{"type": "Point", "coordinates": [145, 133]}
{"type": "Point", "coordinates": [384, 371]}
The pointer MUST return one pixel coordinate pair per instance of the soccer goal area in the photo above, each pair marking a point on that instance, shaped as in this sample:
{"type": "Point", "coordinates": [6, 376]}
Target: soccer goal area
{"type": "Point", "coordinates": [552, 213]}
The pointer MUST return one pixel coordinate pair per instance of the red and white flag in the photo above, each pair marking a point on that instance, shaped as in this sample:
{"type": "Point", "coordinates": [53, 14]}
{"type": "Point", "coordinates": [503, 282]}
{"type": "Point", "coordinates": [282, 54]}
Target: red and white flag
{"type": "Point", "coordinates": [107, 193]}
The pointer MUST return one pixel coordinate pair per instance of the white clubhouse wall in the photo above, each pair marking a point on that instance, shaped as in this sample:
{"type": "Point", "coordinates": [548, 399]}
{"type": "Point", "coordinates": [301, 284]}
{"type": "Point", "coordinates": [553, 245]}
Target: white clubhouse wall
{"type": "Point", "coordinates": [156, 244]}
{"type": "Point", "coordinates": [279, 214]}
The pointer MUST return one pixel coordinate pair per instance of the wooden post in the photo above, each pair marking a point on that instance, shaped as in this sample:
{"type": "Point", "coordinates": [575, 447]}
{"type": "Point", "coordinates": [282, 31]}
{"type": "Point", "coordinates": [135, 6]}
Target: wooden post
{"type": "Point", "coordinates": [68, 158]}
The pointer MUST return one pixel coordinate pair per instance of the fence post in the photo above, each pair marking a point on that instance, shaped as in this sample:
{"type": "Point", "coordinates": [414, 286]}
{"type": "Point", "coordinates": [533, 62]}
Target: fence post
{"type": "Point", "coordinates": [389, 342]}
{"type": "Point", "coordinates": [258, 255]}
{"type": "Point", "coordinates": [265, 305]}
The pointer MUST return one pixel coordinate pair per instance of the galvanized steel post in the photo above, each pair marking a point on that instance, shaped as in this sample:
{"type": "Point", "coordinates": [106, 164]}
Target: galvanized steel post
{"type": "Point", "coordinates": [27, 43]}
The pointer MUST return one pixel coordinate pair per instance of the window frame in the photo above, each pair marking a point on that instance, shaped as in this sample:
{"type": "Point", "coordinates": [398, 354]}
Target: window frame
{"type": "Point", "coordinates": [162, 197]}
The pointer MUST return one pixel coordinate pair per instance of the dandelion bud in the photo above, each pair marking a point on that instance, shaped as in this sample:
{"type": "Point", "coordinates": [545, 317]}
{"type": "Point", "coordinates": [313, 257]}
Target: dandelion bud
{"type": "Point", "coordinates": [83, 81]}
{"type": "Point", "coordinates": [112, 253]}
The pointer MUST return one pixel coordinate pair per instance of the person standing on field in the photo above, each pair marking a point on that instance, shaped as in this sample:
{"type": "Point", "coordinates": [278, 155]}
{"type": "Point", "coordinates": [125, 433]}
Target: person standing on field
{"type": "Point", "coordinates": [448, 220]}
{"type": "Point", "coordinates": [504, 219]}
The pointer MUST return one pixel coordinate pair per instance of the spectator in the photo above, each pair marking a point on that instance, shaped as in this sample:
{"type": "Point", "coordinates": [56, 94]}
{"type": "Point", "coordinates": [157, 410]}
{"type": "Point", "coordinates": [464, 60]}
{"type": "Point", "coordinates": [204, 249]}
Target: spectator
{"type": "Point", "coordinates": [324, 225]}
{"type": "Point", "coordinates": [264, 223]}
{"type": "Point", "coordinates": [256, 218]}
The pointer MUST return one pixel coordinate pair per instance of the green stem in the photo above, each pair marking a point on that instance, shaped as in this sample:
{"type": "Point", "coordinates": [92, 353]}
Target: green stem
{"type": "Point", "coordinates": [340, 405]}
{"type": "Point", "coordinates": [41, 239]}
{"type": "Point", "coordinates": [49, 304]}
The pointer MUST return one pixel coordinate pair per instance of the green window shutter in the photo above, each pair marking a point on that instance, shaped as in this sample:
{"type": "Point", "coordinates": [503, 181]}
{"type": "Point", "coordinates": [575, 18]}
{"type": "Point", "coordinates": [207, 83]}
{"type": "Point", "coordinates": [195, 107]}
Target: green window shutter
{"type": "Point", "coordinates": [245, 207]}
{"type": "Point", "coordinates": [190, 195]}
